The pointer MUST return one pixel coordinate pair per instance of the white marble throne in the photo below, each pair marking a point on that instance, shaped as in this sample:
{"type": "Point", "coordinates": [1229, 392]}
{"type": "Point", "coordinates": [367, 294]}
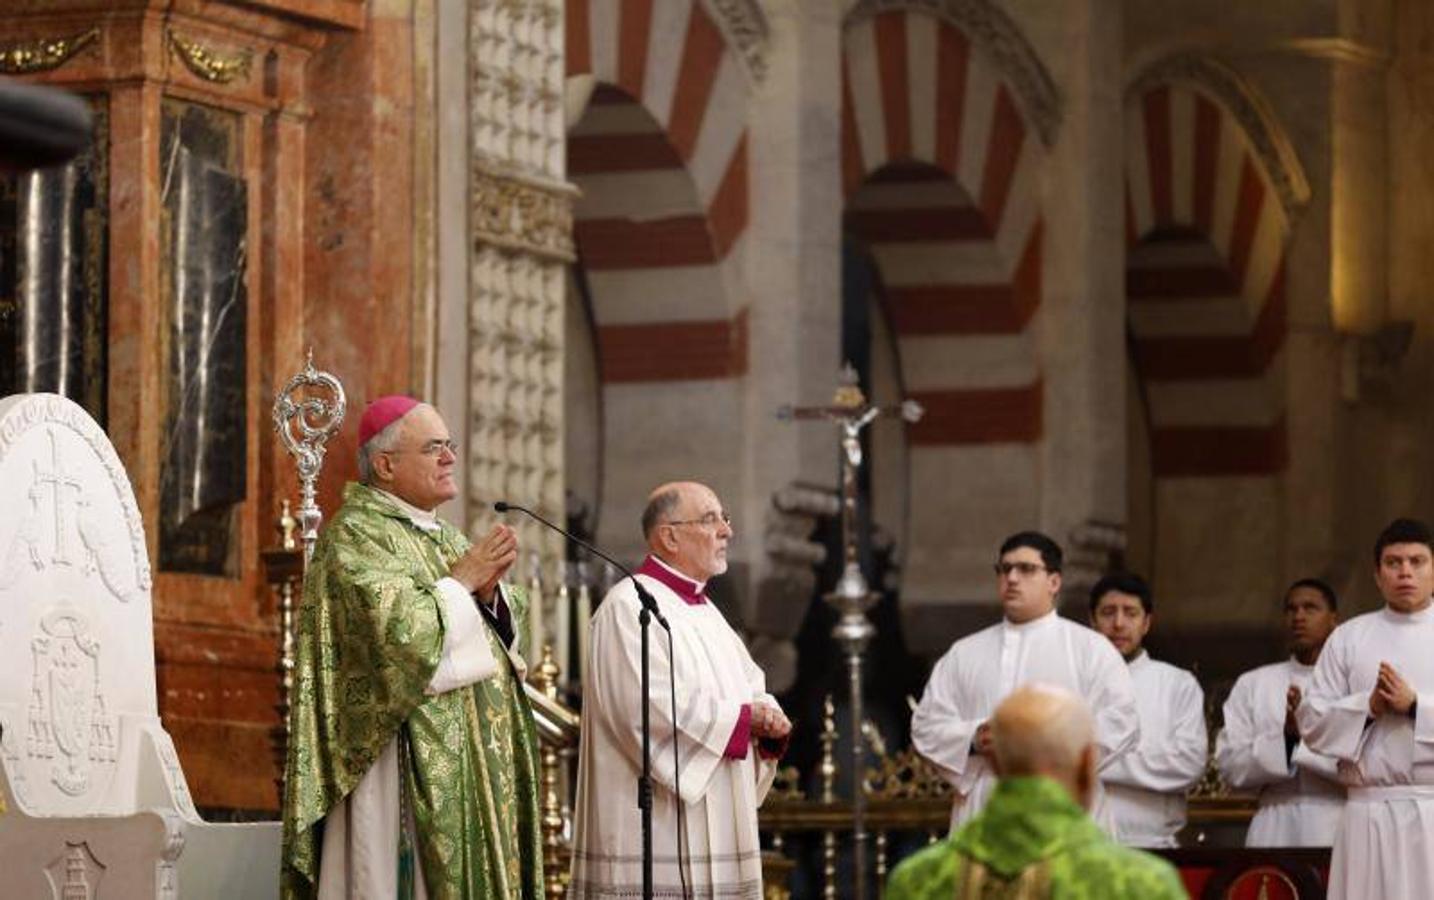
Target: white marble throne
{"type": "Point", "coordinates": [95, 802]}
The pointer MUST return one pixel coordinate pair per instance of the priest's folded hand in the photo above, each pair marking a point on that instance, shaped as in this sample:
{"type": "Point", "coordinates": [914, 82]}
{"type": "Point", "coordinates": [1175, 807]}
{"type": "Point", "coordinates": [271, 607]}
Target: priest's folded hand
{"type": "Point", "coordinates": [486, 562]}
{"type": "Point", "coordinates": [769, 722]}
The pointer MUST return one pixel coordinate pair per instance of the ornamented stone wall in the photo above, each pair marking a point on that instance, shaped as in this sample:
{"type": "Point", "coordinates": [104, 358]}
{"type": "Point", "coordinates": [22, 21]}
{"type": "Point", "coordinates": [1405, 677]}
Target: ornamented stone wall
{"type": "Point", "coordinates": [521, 223]}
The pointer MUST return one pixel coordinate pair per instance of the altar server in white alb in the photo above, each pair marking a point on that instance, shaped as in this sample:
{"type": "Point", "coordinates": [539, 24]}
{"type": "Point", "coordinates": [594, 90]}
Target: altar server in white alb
{"type": "Point", "coordinates": [1370, 704]}
{"type": "Point", "coordinates": [730, 732]}
{"type": "Point", "coordinates": [1032, 643]}
{"type": "Point", "coordinates": [1146, 787]}
{"type": "Point", "coordinates": [1260, 749]}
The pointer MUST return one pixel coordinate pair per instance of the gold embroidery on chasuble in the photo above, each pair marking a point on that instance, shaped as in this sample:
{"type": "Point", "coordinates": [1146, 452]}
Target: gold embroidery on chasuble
{"type": "Point", "coordinates": [980, 883]}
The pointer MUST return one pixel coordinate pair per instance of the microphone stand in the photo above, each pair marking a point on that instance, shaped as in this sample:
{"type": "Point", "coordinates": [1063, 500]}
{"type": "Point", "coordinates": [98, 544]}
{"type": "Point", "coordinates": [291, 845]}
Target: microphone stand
{"type": "Point", "coordinates": [644, 781]}
{"type": "Point", "coordinates": [644, 620]}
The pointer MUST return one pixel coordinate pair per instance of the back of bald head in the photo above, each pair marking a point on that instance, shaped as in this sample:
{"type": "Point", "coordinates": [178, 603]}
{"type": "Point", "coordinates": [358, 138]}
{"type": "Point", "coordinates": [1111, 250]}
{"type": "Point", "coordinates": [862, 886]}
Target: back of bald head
{"type": "Point", "coordinates": [1041, 730]}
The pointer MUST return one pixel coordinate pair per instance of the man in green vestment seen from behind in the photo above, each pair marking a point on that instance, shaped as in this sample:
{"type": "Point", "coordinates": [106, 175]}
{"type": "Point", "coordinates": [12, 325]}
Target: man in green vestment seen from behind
{"type": "Point", "coordinates": [1034, 840]}
{"type": "Point", "coordinates": [413, 763]}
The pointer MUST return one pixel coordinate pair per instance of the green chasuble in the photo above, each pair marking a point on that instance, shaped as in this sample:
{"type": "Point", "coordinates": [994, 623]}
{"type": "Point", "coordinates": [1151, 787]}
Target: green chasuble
{"type": "Point", "coordinates": [1030, 842]}
{"type": "Point", "coordinates": [367, 641]}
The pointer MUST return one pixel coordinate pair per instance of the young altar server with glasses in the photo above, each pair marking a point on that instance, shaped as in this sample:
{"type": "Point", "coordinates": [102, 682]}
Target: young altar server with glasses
{"type": "Point", "coordinates": [1032, 642]}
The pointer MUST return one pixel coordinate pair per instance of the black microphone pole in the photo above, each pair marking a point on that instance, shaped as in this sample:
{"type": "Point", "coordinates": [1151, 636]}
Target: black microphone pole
{"type": "Point", "coordinates": [644, 619]}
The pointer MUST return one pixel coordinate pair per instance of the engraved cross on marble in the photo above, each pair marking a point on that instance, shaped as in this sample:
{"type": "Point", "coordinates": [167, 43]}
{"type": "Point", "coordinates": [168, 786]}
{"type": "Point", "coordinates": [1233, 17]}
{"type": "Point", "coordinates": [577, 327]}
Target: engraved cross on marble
{"type": "Point", "coordinates": [65, 492]}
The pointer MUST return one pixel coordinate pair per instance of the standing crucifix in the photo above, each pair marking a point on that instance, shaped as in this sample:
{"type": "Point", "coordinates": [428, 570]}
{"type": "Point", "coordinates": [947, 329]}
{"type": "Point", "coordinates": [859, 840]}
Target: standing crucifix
{"type": "Point", "coordinates": [852, 597]}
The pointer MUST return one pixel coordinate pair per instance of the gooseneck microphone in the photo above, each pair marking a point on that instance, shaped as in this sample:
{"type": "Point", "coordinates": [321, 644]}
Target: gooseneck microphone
{"type": "Point", "coordinates": [644, 781]}
{"type": "Point", "coordinates": [646, 598]}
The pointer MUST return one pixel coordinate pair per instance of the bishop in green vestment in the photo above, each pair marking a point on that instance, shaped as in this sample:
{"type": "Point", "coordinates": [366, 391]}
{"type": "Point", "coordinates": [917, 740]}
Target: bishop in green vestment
{"type": "Point", "coordinates": [413, 758]}
{"type": "Point", "coordinates": [1033, 840]}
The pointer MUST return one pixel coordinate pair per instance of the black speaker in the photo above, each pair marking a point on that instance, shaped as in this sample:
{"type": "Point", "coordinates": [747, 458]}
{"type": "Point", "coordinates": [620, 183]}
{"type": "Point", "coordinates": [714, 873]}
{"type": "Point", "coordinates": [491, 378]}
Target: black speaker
{"type": "Point", "coordinates": [40, 126]}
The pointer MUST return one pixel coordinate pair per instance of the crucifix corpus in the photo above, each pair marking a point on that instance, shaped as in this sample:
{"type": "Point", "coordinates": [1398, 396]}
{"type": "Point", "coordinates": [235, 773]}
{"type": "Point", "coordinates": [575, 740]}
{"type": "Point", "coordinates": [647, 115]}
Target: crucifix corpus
{"type": "Point", "coordinates": [851, 412]}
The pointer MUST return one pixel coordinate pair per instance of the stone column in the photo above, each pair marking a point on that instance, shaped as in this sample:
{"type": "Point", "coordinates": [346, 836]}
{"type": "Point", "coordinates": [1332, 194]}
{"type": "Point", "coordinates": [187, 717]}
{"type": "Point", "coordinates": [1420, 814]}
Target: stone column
{"type": "Point", "coordinates": [1081, 323]}
{"type": "Point", "coordinates": [447, 383]}
{"type": "Point", "coordinates": [1410, 185]}
{"type": "Point", "coordinates": [135, 383]}
{"type": "Point", "coordinates": [520, 217]}
{"type": "Point", "coordinates": [793, 266]}
{"type": "Point", "coordinates": [1358, 180]}
{"type": "Point", "coordinates": [1368, 256]}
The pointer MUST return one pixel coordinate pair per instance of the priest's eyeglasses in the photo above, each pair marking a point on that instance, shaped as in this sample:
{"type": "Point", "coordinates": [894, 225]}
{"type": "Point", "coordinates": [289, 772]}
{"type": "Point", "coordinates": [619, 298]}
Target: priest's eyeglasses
{"type": "Point", "coordinates": [709, 520]}
{"type": "Point", "coordinates": [1023, 569]}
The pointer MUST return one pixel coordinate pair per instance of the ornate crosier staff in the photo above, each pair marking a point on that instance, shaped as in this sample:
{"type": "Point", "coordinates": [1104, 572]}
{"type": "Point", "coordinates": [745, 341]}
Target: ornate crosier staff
{"type": "Point", "coordinates": [305, 423]}
{"type": "Point", "coordinates": [307, 412]}
{"type": "Point", "coordinates": [852, 597]}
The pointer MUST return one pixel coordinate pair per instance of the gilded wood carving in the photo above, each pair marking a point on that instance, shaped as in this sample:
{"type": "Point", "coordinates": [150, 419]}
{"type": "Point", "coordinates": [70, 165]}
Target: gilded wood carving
{"type": "Point", "coordinates": [209, 64]}
{"type": "Point", "coordinates": [44, 54]}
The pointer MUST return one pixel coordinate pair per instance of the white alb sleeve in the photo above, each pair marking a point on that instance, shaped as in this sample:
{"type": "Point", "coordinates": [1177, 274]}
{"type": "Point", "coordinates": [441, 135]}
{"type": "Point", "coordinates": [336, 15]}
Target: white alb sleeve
{"type": "Point", "coordinates": [466, 657]}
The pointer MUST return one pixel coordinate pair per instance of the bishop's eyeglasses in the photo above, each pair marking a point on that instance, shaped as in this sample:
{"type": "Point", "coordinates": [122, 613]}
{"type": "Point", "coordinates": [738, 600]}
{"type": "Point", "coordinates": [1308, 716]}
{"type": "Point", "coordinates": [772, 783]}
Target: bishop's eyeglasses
{"type": "Point", "coordinates": [433, 448]}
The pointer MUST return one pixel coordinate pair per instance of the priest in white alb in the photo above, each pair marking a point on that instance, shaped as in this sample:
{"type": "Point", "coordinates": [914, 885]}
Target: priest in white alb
{"type": "Point", "coordinates": [729, 731]}
{"type": "Point", "coordinates": [1146, 787]}
{"type": "Point", "coordinates": [1031, 643]}
{"type": "Point", "coordinates": [1301, 799]}
{"type": "Point", "coordinates": [1370, 704]}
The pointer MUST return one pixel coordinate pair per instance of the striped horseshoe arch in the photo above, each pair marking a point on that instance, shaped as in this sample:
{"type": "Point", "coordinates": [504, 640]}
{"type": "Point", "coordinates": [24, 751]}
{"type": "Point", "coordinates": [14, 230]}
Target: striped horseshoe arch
{"type": "Point", "coordinates": [660, 157]}
{"type": "Point", "coordinates": [1205, 279]}
{"type": "Point", "coordinates": [1208, 227]}
{"type": "Point", "coordinates": [941, 168]}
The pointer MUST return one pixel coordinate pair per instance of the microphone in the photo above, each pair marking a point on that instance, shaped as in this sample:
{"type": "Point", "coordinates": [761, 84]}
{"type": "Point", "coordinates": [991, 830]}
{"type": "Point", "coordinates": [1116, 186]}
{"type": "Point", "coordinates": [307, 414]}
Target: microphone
{"type": "Point", "coordinates": [646, 598]}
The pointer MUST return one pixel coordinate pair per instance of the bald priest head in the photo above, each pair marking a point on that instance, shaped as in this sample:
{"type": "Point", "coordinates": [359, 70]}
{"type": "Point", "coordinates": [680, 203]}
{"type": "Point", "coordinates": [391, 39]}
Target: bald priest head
{"type": "Point", "coordinates": [686, 526]}
{"type": "Point", "coordinates": [1045, 730]}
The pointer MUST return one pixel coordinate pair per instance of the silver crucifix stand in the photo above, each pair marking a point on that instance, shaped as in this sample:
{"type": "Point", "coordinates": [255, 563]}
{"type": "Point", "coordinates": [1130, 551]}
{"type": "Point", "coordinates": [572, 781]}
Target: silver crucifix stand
{"type": "Point", "coordinates": [851, 412]}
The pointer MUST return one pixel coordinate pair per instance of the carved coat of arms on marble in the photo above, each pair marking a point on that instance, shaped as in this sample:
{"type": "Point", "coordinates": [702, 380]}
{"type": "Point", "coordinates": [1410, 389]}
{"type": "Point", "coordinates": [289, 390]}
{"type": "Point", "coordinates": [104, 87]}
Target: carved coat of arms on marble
{"type": "Point", "coordinates": [76, 874]}
{"type": "Point", "coordinates": [69, 723]}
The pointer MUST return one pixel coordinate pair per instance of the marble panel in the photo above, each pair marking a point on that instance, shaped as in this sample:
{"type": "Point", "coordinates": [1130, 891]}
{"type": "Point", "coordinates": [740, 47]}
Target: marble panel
{"type": "Point", "coordinates": [203, 475]}
{"type": "Point", "coordinates": [53, 294]}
